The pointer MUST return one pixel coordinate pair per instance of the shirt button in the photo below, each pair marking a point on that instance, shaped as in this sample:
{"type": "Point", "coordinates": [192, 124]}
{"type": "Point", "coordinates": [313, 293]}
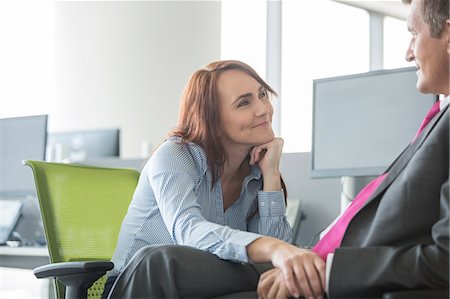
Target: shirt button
{"type": "Point", "coordinates": [263, 204]}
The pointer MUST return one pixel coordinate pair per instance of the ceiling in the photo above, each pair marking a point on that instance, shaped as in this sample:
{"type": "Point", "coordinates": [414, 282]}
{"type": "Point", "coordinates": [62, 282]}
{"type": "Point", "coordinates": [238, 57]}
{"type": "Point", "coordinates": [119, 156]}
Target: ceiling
{"type": "Point", "coordinates": [393, 8]}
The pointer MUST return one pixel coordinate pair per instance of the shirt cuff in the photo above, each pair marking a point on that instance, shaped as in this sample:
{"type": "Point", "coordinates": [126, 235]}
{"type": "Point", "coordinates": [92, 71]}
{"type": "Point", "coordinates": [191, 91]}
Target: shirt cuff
{"type": "Point", "coordinates": [330, 257]}
{"type": "Point", "coordinates": [271, 203]}
{"type": "Point", "coordinates": [238, 243]}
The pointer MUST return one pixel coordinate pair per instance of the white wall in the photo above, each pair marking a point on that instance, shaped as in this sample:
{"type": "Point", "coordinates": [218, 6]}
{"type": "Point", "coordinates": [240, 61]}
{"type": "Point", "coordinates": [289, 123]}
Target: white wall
{"type": "Point", "coordinates": [26, 57]}
{"type": "Point", "coordinates": [125, 64]}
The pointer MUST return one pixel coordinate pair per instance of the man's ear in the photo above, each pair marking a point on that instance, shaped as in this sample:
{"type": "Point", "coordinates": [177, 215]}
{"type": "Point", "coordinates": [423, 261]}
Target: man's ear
{"type": "Point", "coordinates": [447, 28]}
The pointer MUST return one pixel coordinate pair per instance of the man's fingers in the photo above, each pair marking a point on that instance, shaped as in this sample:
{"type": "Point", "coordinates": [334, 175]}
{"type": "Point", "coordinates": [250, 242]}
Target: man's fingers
{"type": "Point", "coordinates": [263, 288]}
{"type": "Point", "coordinates": [281, 294]}
{"type": "Point", "coordinates": [266, 281]}
{"type": "Point", "coordinates": [273, 291]}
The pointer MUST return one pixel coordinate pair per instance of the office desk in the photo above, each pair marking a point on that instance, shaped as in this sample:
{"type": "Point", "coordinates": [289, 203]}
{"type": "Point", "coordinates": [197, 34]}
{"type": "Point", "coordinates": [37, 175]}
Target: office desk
{"type": "Point", "coordinates": [23, 257]}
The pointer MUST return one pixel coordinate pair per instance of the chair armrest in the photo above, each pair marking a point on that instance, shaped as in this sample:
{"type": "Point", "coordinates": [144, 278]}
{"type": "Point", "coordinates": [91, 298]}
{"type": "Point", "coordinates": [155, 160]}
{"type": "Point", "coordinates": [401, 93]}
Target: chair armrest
{"type": "Point", "coordinates": [422, 293]}
{"type": "Point", "coordinates": [77, 277]}
{"type": "Point", "coordinates": [71, 268]}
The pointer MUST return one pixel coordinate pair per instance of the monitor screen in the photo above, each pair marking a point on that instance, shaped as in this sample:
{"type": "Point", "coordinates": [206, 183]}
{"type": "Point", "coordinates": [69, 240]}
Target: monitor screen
{"type": "Point", "coordinates": [21, 138]}
{"type": "Point", "coordinates": [75, 146]}
{"type": "Point", "coordinates": [362, 122]}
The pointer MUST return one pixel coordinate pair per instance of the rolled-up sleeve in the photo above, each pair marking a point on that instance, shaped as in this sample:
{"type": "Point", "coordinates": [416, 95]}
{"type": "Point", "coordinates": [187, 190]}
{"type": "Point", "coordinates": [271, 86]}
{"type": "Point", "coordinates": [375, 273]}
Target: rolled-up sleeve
{"type": "Point", "coordinates": [271, 217]}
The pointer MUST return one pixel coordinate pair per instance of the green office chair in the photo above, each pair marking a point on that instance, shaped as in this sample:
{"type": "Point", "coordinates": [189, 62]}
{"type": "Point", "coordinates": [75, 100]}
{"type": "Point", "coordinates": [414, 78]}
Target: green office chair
{"type": "Point", "coordinates": [82, 209]}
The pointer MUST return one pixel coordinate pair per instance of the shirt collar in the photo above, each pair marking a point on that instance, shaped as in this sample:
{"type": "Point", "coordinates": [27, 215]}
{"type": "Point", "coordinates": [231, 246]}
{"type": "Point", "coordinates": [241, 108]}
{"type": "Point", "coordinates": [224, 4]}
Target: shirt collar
{"type": "Point", "coordinates": [444, 102]}
{"type": "Point", "coordinates": [255, 173]}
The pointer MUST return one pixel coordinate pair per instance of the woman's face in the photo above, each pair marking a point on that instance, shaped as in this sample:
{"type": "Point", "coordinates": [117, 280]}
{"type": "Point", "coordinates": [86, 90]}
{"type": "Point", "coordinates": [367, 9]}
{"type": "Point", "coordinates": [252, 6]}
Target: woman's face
{"type": "Point", "coordinates": [245, 110]}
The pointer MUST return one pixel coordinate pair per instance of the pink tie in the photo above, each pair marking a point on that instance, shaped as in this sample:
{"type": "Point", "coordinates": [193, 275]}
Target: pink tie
{"type": "Point", "coordinates": [333, 237]}
{"type": "Point", "coordinates": [431, 113]}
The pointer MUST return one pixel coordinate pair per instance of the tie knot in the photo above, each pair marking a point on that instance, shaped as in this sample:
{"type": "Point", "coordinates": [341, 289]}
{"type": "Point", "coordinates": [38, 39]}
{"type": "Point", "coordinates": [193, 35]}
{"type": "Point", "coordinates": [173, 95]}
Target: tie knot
{"type": "Point", "coordinates": [431, 113]}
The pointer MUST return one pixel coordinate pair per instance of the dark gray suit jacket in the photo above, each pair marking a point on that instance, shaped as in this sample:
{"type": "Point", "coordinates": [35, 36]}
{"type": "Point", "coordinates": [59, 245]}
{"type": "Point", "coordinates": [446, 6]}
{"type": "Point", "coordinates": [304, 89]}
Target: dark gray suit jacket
{"type": "Point", "coordinates": [400, 238]}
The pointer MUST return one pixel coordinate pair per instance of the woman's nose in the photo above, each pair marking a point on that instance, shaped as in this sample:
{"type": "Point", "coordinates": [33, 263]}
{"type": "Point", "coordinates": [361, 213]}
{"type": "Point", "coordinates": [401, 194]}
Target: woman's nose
{"type": "Point", "coordinates": [263, 108]}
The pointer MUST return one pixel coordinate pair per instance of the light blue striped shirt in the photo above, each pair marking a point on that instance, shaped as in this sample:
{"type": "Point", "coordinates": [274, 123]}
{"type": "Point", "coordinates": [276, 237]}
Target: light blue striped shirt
{"type": "Point", "coordinates": [174, 204]}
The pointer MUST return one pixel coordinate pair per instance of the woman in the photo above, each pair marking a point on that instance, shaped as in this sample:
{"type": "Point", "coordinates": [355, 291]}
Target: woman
{"type": "Point", "coordinates": [214, 186]}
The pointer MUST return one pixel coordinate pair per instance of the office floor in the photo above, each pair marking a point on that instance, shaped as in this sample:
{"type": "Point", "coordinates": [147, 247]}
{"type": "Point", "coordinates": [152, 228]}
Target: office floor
{"type": "Point", "coordinates": [21, 283]}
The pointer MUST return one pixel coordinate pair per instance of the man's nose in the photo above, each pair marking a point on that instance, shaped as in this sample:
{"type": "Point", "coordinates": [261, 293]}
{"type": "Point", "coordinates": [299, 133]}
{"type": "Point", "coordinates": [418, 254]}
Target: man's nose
{"type": "Point", "coordinates": [410, 53]}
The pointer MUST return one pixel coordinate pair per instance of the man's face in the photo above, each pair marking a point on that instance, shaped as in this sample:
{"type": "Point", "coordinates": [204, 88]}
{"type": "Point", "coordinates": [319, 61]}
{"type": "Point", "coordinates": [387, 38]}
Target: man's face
{"type": "Point", "coordinates": [430, 54]}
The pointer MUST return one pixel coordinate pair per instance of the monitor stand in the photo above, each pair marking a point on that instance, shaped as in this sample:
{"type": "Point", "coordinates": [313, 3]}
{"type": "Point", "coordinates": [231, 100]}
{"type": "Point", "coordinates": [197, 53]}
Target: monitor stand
{"type": "Point", "coordinates": [350, 187]}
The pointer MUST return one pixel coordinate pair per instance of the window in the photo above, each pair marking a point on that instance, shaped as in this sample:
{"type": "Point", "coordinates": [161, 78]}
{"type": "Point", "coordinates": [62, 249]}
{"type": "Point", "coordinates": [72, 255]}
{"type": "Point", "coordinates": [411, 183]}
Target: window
{"type": "Point", "coordinates": [320, 39]}
{"type": "Point", "coordinates": [396, 41]}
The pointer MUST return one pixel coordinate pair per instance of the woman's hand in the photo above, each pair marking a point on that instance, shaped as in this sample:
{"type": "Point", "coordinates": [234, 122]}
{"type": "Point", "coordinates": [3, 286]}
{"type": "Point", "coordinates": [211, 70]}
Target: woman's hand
{"type": "Point", "coordinates": [268, 157]}
{"type": "Point", "coordinates": [271, 285]}
{"type": "Point", "coordinates": [303, 271]}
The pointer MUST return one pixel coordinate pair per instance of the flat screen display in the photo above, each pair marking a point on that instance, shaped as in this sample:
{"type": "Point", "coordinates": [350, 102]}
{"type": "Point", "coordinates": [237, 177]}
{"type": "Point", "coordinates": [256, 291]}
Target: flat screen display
{"type": "Point", "coordinates": [21, 138]}
{"type": "Point", "coordinates": [77, 146]}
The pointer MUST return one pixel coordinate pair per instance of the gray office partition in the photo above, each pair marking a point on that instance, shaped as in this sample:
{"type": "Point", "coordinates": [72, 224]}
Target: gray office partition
{"type": "Point", "coordinates": [320, 198]}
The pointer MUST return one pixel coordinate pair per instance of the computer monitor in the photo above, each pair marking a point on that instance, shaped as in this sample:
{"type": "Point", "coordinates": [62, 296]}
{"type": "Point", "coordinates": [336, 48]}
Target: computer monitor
{"type": "Point", "coordinates": [76, 146]}
{"type": "Point", "coordinates": [21, 138]}
{"type": "Point", "coordinates": [362, 122]}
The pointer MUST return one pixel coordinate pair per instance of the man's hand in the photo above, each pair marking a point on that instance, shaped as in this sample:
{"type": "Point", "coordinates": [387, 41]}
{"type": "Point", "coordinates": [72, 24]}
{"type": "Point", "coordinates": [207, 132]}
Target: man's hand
{"type": "Point", "coordinates": [303, 271]}
{"type": "Point", "coordinates": [271, 285]}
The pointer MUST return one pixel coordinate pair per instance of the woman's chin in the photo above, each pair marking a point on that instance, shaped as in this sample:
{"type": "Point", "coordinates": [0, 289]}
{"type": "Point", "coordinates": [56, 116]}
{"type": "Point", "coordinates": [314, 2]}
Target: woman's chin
{"type": "Point", "coordinates": [267, 138]}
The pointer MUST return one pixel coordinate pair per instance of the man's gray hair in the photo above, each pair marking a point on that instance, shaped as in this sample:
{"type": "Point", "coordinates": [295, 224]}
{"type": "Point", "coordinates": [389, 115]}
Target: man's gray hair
{"type": "Point", "coordinates": [434, 13]}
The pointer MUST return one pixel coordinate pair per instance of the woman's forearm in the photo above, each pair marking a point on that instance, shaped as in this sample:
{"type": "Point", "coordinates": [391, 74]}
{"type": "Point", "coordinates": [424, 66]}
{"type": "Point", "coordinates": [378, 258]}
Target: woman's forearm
{"type": "Point", "coordinates": [272, 182]}
{"type": "Point", "coordinates": [262, 249]}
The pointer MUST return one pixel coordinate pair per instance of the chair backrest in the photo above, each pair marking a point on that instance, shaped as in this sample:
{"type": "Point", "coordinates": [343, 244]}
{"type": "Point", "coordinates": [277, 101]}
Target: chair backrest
{"type": "Point", "coordinates": [82, 208]}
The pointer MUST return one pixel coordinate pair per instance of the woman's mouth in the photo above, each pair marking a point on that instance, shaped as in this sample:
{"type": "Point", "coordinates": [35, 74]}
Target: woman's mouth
{"type": "Point", "coordinates": [262, 124]}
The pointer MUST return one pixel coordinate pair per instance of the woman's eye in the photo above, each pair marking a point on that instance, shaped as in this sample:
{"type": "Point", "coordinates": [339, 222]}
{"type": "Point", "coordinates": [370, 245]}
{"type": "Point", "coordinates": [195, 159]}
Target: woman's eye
{"type": "Point", "coordinates": [244, 102]}
{"type": "Point", "coordinates": [263, 94]}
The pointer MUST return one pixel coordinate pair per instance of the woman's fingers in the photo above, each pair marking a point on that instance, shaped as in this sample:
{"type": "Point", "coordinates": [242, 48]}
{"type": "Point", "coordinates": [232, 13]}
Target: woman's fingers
{"type": "Point", "coordinates": [291, 282]}
{"type": "Point", "coordinates": [252, 155]}
{"type": "Point", "coordinates": [320, 265]}
{"type": "Point", "coordinates": [256, 154]}
{"type": "Point", "coordinates": [314, 281]}
{"type": "Point", "coordinates": [303, 282]}
{"type": "Point", "coordinates": [259, 151]}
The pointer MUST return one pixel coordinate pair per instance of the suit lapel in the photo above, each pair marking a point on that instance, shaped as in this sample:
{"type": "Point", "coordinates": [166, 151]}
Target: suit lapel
{"type": "Point", "coordinates": [402, 160]}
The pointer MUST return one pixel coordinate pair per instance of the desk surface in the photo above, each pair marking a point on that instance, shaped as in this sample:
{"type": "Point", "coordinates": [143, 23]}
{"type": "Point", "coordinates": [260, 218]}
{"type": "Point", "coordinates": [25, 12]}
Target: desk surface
{"type": "Point", "coordinates": [23, 257]}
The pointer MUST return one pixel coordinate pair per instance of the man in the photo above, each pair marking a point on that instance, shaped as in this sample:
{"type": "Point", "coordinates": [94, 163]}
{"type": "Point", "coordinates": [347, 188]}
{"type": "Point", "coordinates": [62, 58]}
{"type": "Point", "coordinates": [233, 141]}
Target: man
{"type": "Point", "coordinates": [398, 236]}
